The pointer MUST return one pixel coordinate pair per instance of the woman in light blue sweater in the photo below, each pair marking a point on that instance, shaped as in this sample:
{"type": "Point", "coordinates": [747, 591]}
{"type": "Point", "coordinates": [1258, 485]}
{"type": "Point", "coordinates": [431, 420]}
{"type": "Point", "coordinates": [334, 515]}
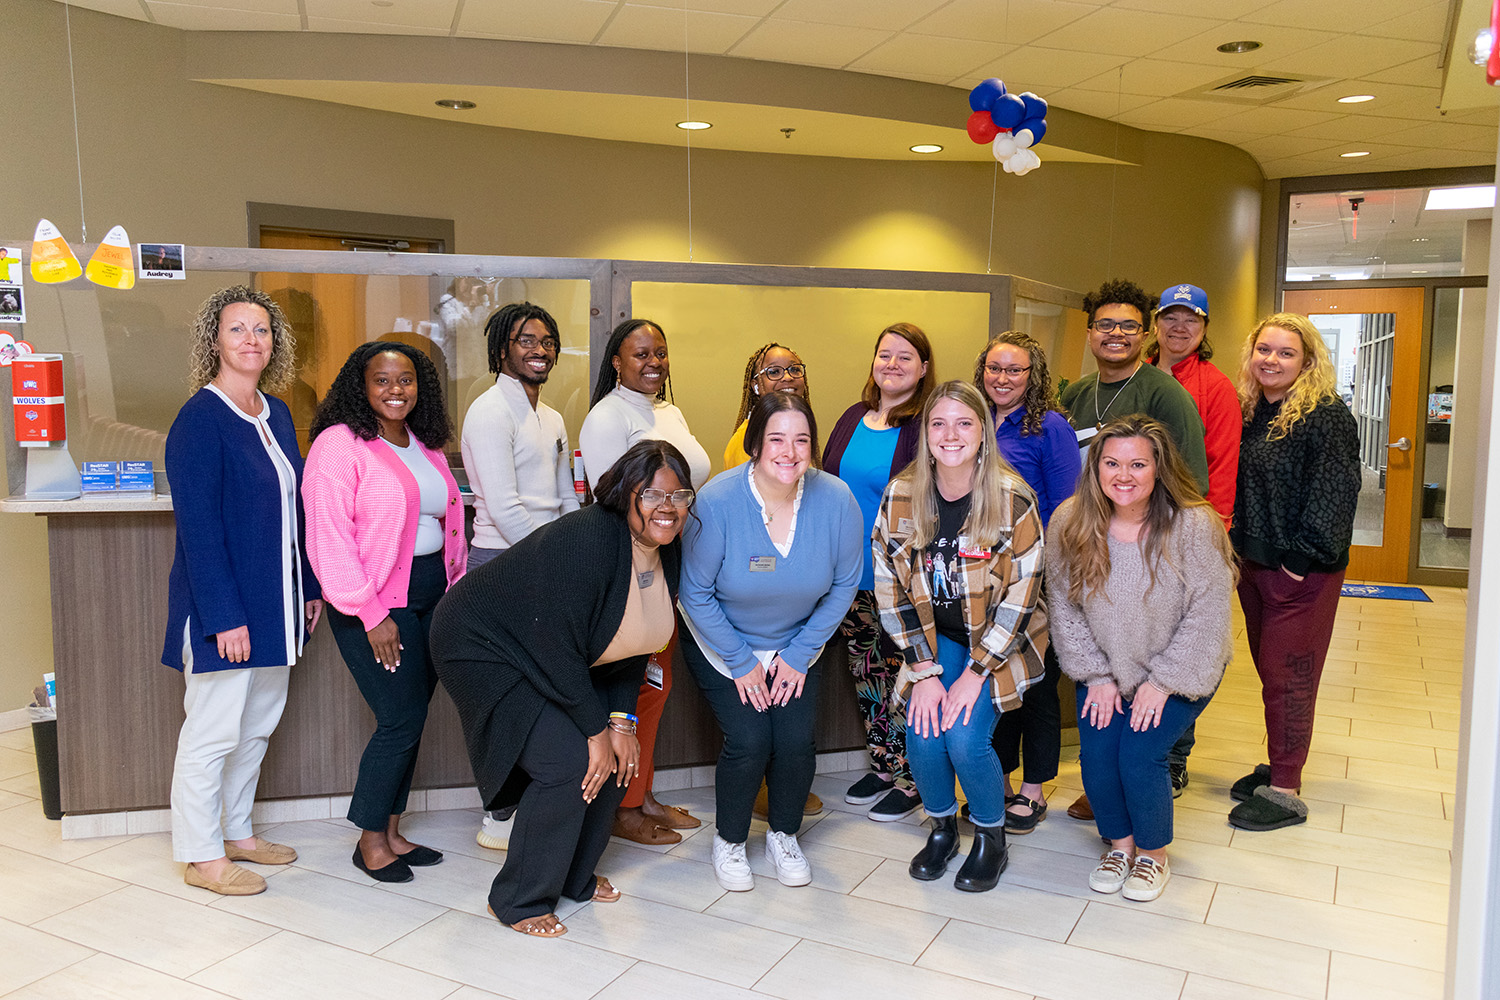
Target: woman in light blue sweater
{"type": "Point", "coordinates": [770, 566]}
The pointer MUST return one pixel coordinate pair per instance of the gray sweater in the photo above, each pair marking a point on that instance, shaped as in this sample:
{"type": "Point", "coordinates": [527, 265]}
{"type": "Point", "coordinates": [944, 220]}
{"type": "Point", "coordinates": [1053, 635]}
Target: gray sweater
{"type": "Point", "coordinates": [1177, 636]}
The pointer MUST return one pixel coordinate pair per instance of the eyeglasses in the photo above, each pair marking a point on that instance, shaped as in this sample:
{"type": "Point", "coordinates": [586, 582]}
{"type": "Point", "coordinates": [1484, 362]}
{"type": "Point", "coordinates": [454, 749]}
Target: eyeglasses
{"type": "Point", "coordinates": [1015, 371]}
{"type": "Point", "coordinates": [778, 372]}
{"type": "Point", "coordinates": [527, 342]}
{"type": "Point", "coordinates": [653, 497]}
{"type": "Point", "coordinates": [1111, 325]}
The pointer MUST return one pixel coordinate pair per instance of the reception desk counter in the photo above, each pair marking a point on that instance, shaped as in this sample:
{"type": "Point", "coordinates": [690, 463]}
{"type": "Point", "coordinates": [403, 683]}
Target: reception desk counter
{"type": "Point", "coordinates": [120, 708]}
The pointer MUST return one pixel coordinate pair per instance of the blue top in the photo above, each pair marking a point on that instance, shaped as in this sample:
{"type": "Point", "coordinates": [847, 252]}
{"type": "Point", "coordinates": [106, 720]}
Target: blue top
{"type": "Point", "coordinates": [793, 606]}
{"type": "Point", "coordinates": [866, 469]}
{"type": "Point", "coordinates": [1050, 462]}
{"type": "Point", "coordinates": [228, 570]}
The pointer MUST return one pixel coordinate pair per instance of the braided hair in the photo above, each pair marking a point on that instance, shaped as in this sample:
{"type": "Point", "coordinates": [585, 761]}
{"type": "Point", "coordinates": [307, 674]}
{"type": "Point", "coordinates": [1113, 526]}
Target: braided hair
{"type": "Point", "coordinates": [748, 396]}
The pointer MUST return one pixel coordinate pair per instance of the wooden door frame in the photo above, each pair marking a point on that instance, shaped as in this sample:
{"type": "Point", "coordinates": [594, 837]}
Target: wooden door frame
{"type": "Point", "coordinates": [1388, 563]}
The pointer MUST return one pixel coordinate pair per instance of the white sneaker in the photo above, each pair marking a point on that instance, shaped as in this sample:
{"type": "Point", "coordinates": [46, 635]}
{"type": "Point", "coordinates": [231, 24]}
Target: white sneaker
{"type": "Point", "coordinates": [784, 853]}
{"type": "Point", "coordinates": [493, 834]}
{"type": "Point", "coordinates": [1113, 870]}
{"type": "Point", "coordinates": [1148, 877]}
{"type": "Point", "coordinates": [731, 867]}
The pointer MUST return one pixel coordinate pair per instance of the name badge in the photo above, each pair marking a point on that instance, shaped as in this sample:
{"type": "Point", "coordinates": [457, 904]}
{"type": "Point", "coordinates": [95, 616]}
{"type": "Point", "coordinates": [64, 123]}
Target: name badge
{"type": "Point", "coordinates": [969, 550]}
{"type": "Point", "coordinates": [903, 526]}
{"type": "Point", "coordinates": [762, 564]}
{"type": "Point", "coordinates": [1086, 434]}
{"type": "Point", "coordinates": [653, 673]}
{"type": "Point", "coordinates": [559, 446]}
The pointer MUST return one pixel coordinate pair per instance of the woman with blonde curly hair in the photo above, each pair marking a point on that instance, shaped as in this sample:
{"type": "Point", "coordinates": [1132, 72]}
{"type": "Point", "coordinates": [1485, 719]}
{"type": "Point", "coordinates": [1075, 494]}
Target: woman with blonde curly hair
{"type": "Point", "coordinates": [241, 598]}
{"type": "Point", "coordinates": [1139, 573]}
{"type": "Point", "coordinates": [1299, 481]}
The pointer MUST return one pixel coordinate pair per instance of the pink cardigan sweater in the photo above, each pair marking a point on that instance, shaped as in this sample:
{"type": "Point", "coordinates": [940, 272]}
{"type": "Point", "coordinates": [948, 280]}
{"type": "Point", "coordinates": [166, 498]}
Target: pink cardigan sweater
{"type": "Point", "coordinates": [362, 504]}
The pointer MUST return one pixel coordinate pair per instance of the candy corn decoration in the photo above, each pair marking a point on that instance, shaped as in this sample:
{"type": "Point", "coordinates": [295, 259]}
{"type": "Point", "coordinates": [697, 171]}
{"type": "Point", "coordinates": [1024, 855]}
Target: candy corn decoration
{"type": "Point", "coordinates": [52, 260]}
{"type": "Point", "coordinates": [111, 265]}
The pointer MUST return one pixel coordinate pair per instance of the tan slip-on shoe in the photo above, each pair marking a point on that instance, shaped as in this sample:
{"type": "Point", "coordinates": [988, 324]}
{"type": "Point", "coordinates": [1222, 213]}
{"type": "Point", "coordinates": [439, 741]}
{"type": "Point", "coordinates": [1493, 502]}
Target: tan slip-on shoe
{"type": "Point", "coordinates": [265, 853]}
{"type": "Point", "coordinates": [237, 881]}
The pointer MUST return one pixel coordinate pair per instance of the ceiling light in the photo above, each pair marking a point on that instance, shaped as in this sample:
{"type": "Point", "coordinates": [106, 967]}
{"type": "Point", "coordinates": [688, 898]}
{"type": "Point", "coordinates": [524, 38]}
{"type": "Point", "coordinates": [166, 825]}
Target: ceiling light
{"type": "Point", "coordinates": [456, 105]}
{"type": "Point", "coordinates": [1419, 239]}
{"type": "Point", "coordinates": [1356, 98]}
{"type": "Point", "coordinates": [694, 126]}
{"type": "Point", "coordinates": [1358, 152]}
{"type": "Point", "coordinates": [926, 147]}
{"type": "Point", "coordinates": [1236, 48]}
{"type": "Point", "coordinates": [1419, 272]}
{"type": "Point", "coordinates": [1479, 196]}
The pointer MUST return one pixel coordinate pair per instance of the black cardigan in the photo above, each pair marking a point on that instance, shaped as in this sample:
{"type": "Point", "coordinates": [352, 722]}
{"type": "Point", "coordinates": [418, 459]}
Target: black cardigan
{"type": "Point", "coordinates": [522, 630]}
{"type": "Point", "coordinates": [838, 440]}
{"type": "Point", "coordinates": [1295, 498]}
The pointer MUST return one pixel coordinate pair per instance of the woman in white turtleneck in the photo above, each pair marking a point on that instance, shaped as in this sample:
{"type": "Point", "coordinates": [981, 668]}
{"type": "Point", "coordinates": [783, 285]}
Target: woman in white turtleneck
{"type": "Point", "coordinates": [629, 404]}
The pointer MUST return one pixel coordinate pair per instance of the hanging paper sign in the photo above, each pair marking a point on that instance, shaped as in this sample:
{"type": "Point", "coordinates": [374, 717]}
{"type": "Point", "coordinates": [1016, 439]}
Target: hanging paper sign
{"type": "Point", "coordinates": [112, 265]}
{"type": "Point", "coordinates": [12, 304]}
{"type": "Point", "coordinates": [52, 260]}
{"type": "Point", "coordinates": [10, 265]}
{"type": "Point", "coordinates": [162, 261]}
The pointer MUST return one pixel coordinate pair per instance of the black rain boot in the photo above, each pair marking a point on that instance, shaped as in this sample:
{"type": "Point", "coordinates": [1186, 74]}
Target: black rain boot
{"type": "Point", "coordinates": [942, 844]}
{"type": "Point", "coordinates": [987, 859]}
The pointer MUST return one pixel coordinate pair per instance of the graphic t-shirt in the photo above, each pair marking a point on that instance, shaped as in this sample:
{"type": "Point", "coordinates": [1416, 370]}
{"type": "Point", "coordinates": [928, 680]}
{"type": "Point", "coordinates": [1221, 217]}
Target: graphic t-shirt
{"type": "Point", "coordinates": [944, 570]}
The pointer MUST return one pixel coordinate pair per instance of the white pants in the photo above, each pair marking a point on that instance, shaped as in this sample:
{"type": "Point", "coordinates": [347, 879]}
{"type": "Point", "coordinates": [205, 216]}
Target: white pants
{"type": "Point", "coordinates": [230, 717]}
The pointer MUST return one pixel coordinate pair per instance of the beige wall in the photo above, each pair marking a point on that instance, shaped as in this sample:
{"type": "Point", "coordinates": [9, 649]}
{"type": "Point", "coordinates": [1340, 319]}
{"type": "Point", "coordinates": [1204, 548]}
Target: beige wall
{"type": "Point", "coordinates": [173, 160]}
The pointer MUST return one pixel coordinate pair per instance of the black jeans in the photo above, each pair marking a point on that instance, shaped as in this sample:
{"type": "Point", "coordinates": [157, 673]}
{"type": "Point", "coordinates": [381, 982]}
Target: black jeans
{"type": "Point", "coordinates": [558, 837]}
{"type": "Point", "coordinates": [398, 699]}
{"type": "Point", "coordinates": [1033, 731]}
{"type": "Point", "coordinates": [778, 745]}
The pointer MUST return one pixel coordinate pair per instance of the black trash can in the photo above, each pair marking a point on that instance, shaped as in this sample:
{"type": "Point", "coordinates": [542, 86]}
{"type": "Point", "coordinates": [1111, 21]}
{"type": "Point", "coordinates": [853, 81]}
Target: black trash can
{"type": "Point", "coordinates": [44, 735]}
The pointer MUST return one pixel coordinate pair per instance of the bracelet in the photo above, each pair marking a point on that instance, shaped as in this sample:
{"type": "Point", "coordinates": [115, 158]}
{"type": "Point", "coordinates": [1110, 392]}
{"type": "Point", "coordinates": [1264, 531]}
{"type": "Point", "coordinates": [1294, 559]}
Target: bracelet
{"type": "Point", "coordinates": [936, 670]}
{"type": "Point", "coordinates": [626, 716]}
{"type": "Point", "coordinates": [621, 728]}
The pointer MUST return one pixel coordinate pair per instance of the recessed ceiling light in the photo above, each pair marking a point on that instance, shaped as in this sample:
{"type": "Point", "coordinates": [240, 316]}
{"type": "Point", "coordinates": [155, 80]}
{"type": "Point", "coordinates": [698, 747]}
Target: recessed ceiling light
{"type": "Point", "coordinates": [1479, 196]}
{"type": "Point", "coordinates": [694, 126]}
{"type": "Point", "coordinates": [1419, 239]}
{"type": "Point", "coordinates": [1236, 48]}
{"type": "Point", "coordinates": [1419, 272]}
{"type": "Point", "coordinates": [456, 105]}
{"type": "Point", "coordinates": [926, 147]}
{"type": "Point", "coordinates": [1356, 98]}
{"type": "Point", "coordinates": [1357, 152]}
{"type": "Point", "coordinates": [382, 3]}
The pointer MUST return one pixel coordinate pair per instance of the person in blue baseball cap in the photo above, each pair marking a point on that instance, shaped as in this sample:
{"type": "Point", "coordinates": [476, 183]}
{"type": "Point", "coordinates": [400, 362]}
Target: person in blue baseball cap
{"type": "Point", "coordinates": [1182, 348]}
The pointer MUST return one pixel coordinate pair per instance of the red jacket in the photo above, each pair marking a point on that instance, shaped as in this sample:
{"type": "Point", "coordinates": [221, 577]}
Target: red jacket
{"type": "Point", "coordinates": [1219, 407]}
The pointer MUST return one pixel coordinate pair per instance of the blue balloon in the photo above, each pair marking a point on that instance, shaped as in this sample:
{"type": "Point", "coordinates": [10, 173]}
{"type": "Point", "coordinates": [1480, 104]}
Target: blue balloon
{"type": "Point", "coordinates": [982, 97]}
{"type": "Point", "coordinates": [1035, 106]}
{"type": "Point", "coordinates": [1038, 127]}
{"type": "Point", "coordinates": [1008, 111]}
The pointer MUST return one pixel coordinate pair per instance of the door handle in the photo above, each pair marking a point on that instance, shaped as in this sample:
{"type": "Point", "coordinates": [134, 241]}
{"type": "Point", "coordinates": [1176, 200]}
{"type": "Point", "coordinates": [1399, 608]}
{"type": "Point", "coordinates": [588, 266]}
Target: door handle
{"type": "Point", "coordinates": [1400, 444]}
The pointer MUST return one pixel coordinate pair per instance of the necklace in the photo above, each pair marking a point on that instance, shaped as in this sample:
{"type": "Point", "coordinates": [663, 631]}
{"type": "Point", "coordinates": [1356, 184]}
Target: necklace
{"type": "Point", "coordinates": [643, 578]}
{"type": "Point", "coordinates": [771, 512]}
{"type": "Point", "coordinates": [1098, 416]}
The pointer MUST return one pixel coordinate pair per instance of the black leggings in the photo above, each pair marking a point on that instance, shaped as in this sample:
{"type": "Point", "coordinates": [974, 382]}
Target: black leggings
{"type": "Point", "coordinates": [1033, 731]}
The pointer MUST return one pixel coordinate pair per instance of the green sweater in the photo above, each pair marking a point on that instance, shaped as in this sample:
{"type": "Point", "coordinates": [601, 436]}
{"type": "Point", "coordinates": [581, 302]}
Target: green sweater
{"type": "Point", "coordinates": [1152, 392]}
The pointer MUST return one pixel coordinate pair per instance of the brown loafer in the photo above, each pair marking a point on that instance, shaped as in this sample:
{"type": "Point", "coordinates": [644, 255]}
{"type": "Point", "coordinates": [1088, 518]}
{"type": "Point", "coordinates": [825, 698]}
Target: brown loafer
{"type": "Point", "coordinates": [812, 806]}
{"type": "Point", "coordinates": [671, 817]}
{"type": "Point", "coordinates": [236, 881]}
{"type": "Point", "coordinates": [1080, 809]}
{"type": "Point", "coordinates": [265, 853]}
{"type": "Point", "coordinates": [635, 826]}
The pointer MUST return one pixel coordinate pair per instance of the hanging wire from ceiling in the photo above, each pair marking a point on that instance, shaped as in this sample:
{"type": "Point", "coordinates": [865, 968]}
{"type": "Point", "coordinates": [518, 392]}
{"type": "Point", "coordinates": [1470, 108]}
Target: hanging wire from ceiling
{"type": "Point", "coordinates": [994, 187]}
{"type": "Point", "coordinates": [77, 147]}
{"type": "Point", "coordinates": [1114, 175]}
{"type": "Point", "coordinates": [687, 103]}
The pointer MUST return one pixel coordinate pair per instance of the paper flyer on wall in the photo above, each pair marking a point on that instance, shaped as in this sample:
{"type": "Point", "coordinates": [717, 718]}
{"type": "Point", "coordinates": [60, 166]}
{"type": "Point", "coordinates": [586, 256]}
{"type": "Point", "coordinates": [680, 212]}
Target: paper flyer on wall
{"type": "Point", "coordinates": [162, 261]}
{"type": "Point", "coordinates": [12, 295]}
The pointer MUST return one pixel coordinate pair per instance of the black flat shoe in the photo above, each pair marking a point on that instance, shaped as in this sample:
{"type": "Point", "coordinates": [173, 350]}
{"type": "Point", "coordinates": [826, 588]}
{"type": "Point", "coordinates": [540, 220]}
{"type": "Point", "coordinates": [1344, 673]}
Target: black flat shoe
{"type": "Point", "coordinates": [396, 871]}
{"type": "Point", "coordinates": [987, 859]}
{"type": "Point", "coordinates": [942, 844]}
{"type": "Point", "coordinates": [1023, 823]}
{"type": "Point", "coordinates": [422, 857]}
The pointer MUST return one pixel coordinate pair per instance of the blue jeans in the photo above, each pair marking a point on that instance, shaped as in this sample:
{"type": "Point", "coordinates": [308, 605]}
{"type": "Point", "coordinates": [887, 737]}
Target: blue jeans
{"type": "Point", "coordinates": [964, 750]}
{"type": "Point", "coordinates": [1125, 772]}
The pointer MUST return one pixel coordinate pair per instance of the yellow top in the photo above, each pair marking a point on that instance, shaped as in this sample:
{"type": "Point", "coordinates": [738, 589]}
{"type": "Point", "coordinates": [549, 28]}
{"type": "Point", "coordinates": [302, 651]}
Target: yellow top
{"type": "Point", "coordinates": [734, 451]}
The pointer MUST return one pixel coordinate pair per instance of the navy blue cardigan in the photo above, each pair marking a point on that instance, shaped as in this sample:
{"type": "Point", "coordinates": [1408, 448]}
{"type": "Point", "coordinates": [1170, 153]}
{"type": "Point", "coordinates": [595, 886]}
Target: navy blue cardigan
{"type": "Point", "coordinates": [227, 570]}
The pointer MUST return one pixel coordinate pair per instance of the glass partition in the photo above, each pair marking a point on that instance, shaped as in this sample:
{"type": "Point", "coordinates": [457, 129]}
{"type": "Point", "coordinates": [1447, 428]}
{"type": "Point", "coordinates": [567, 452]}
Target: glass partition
{"type": "Point", "coordinates": [1447, 477]}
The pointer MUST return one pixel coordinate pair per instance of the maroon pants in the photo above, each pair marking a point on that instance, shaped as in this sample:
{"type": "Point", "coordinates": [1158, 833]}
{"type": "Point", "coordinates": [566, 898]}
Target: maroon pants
{"type": "Point", "coordinates": [1288, 624]}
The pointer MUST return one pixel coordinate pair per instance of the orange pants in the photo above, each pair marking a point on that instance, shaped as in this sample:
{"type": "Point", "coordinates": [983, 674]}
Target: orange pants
{"type": "Point", "coordinates": [648, 718]}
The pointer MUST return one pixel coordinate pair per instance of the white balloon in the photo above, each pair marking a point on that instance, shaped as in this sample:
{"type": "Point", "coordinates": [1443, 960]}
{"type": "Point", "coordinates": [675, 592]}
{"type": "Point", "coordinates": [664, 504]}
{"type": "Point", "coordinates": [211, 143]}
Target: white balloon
{"type": "Point", "coordinates": [1003, 146]}
{"type": "Point", "coordinates": [1009, 163]}
{"type": "Point", "coordinates": [1024, 138]}
{"type": "Point", "coordinates": [1024, 162]}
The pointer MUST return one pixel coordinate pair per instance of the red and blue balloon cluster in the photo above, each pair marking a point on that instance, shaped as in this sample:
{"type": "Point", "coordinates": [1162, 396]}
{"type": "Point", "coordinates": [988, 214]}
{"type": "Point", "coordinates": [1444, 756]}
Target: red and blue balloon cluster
{"type": "Point", "coordinates": [1010, 123]}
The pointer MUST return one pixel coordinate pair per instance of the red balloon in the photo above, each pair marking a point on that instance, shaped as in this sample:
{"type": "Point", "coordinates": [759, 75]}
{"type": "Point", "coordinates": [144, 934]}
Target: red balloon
{"type": "Point", "coordinates": [982, 127]}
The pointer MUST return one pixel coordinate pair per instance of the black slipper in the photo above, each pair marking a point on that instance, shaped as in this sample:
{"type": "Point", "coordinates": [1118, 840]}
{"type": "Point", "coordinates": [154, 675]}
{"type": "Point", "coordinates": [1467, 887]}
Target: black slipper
{"type": "Point", "coordinates": [1268, 809]}
{"type": "Point", "coordinates": [1242, 789]}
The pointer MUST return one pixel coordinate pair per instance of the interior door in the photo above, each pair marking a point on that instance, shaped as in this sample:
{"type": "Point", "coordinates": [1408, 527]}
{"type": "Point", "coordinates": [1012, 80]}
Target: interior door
{"type": "Point", "coordinates": [1376, 338]}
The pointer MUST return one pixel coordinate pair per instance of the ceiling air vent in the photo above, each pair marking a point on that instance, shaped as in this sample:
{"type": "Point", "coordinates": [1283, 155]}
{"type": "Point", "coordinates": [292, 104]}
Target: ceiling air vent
{"type": "Point", "coordinates": [1256, 88]}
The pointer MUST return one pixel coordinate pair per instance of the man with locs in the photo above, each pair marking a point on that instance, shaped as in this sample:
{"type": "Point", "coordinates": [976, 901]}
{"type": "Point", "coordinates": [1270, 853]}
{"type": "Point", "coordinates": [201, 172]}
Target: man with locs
{"type": "Point", "coordinates": [515, 451]}
{"type": "Point", "coordinates": [1125, 384]}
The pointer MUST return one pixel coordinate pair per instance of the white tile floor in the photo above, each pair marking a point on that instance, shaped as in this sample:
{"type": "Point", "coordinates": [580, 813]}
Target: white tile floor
{"type": "Point", "coordinates": [1352, 905]}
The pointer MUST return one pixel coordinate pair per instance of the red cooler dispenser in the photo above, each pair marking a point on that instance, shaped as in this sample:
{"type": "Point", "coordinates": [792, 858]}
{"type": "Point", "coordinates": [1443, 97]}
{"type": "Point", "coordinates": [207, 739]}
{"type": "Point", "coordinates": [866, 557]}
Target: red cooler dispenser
{"type": "Point", "coordinates": [41, 427]}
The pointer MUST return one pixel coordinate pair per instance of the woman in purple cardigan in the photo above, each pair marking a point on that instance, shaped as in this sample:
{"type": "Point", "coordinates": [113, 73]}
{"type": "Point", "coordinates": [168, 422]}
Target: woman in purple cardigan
{"type": "Point", "coordinates": [874, 440]}
{"type": "Point", "coordinates": [242, 598]}
{"type": "Point", "coordinates": [385, 532]}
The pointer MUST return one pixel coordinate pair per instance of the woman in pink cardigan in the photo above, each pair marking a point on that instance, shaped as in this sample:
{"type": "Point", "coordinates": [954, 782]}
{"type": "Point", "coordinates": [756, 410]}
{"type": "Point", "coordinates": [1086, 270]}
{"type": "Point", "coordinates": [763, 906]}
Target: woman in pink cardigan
{"type": "Point", "coordinates": [385, 535]}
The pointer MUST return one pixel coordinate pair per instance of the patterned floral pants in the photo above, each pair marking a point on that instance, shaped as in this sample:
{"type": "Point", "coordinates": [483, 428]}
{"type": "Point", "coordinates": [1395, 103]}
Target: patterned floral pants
{"type": "Point", "coordinates": [875, 664]}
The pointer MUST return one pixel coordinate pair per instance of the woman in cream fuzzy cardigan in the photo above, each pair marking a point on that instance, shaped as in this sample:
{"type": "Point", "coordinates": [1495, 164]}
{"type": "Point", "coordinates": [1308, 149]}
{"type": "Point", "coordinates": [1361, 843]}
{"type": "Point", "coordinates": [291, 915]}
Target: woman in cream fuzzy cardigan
{"type": "Point", "coordinates": [1140, 572]}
